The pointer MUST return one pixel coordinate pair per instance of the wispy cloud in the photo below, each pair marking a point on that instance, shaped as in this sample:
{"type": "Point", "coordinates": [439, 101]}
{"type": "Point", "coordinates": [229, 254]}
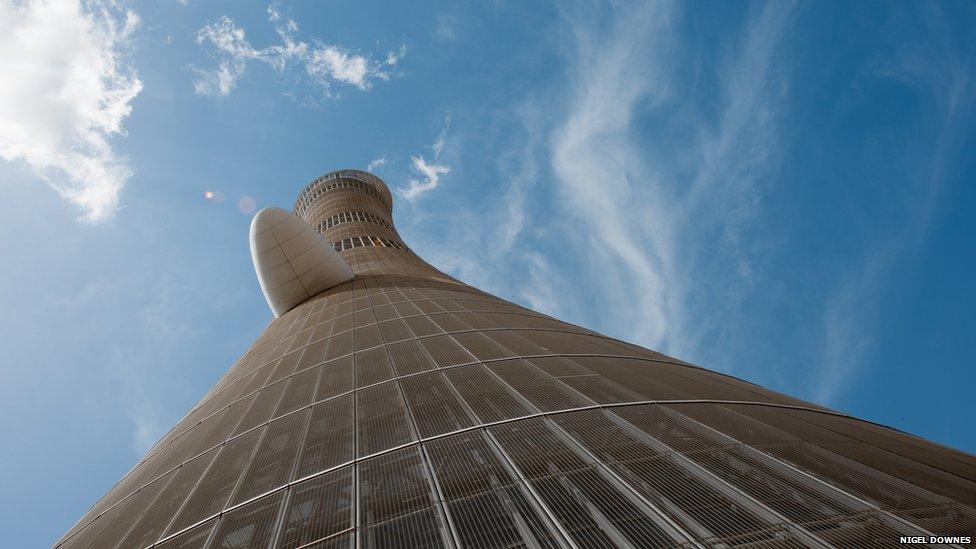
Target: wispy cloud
{"type": "Point", "coordinates": [934, 69]}
{"type": "Point", "coordinates": [660, 213]}
{"type": "Point", "coordinates": [324, 65]}
{"type": "Point", "coordinates": [596, 163]}
{"type": "Point", "coordinates": [484, 248]}
{"type": "Point", "coordinates": [430, 177]}
{"type": "Point", "coordinates": [675, 223]}
{"type": "Point", "coordinates": [67, 89]}
{"type": "Point", "coordinates": [376, 164]}
{"type": "Point", "coordinates": [665, 229]}
{"type": "Point", "coordinates": [428, 172]}
{"type": "Point", "coordinates": [518, 165]}
{"type": "Point", "coordinates": [446, 29]}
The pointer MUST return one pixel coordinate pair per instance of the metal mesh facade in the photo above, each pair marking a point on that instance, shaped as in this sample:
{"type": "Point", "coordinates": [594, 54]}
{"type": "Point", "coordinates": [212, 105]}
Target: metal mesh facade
{"type": "Point", "coordinates": [405, 409]}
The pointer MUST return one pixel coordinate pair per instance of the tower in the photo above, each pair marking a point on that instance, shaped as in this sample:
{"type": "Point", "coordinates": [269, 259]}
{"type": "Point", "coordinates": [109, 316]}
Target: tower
{"type": "Point", "coordinates": [390, 405]}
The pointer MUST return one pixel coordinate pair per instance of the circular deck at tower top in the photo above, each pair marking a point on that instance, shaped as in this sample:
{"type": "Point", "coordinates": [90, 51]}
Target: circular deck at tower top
{"type": "Point", "coordinates": [404, 408]}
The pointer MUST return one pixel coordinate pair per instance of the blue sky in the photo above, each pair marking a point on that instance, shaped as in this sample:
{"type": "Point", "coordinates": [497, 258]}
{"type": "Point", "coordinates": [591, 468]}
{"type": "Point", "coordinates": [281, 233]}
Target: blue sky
{"type": "Point", "coordinates": [783, 192]}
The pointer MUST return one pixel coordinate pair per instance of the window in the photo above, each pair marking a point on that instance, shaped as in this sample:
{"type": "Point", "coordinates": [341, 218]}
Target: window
{"type": "Point", "coordinates": [377, 241]}
{"type": "Point", "coordinates": [346, 217]}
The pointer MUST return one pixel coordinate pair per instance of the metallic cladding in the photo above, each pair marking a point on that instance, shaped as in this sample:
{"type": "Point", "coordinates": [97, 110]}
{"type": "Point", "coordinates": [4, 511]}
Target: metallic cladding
{"type": "Point", "coordinates": [407, 409]}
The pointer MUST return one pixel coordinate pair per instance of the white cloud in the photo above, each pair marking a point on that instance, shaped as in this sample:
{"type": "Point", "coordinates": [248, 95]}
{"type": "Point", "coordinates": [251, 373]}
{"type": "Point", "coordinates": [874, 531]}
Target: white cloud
{"type": "Point", "coordinates": [324, 64]}
{"type": "Point", "coordinates": [332, 62]}
{"type": "Point", "coordinates": [274, 14]}
{"type": "Point", "coordinates": [438, 145]}
{"type": "Point", "coordinates": [220, 81]}
{"type": "Point", "coordinates": [597, 166]}
{"type": "Point", "coordinates": [430, 178]}
{"type": "Point", "coordinates": [503, 263]}
{"type": "Point", "coordinates": [67, 89]}
{"type": "Point", "coordinates": [430, 172]}
{"type": "Point", "coordinates": [376, 164]}
{"type": "Point", "coordinates": [228, 38]}
{"type": "Point", "coordinates": [540, 291]}
{"type": "Point", "coordinates": [394, 57]}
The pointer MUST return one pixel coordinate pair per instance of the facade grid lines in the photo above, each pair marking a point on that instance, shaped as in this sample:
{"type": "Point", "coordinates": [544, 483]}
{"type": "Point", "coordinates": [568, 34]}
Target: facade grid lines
{"type": "Point", "coordinates": [405, 408]}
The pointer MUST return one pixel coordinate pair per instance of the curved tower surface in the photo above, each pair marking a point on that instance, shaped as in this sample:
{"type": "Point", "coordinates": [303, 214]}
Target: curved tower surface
{"type": "Point", "coordinates": [403, 408]}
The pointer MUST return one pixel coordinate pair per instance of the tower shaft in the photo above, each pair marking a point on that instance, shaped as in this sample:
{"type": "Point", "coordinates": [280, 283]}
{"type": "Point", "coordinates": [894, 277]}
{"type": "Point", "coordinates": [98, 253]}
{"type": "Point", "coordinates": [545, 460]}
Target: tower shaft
{"type": "Point", "coordinates": [405, 408]}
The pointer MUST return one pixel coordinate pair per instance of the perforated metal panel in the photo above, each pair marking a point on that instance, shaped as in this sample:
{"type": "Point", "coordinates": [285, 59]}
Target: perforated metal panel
{"type": "Point", "coordinates": [331, 436]}
{"type": "Point", "coordinates": [320, 509]}
{"type": "Point", "coordinates": [250, 525]}
{"type": "Point", "coordinates": [398, 507]}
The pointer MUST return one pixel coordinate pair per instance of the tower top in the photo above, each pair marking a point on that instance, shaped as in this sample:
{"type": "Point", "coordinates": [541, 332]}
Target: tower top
{"type": "Point", "coordinates": [335, 179]}
{"type": "Point", "coordinates": [341, 227]}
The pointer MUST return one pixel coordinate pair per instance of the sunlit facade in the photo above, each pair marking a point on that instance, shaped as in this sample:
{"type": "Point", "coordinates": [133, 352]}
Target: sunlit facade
{"type": "Point", "coordinates": [405, 409]}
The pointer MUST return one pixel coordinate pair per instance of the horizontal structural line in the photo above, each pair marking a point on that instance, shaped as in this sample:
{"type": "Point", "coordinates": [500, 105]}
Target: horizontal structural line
{"type": "Point", "coordinates": [437, 437]}
{"type": "Point", "coordinates": [437, 369]}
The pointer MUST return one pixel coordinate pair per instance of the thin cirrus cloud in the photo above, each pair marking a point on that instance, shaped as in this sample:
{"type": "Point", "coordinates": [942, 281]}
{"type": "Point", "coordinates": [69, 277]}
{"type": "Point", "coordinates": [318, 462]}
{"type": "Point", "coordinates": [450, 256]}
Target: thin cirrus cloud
{"type": "Point", "coordinates": [645, 219]}
{"type": "Point", "coordinates": [324, 65]}
{"type": "Point", "coordinates": [932, 70]}
{"type": "Point", "coordinates": [67, 95]}
{"type": "Point", "coordinates": [679, 231]}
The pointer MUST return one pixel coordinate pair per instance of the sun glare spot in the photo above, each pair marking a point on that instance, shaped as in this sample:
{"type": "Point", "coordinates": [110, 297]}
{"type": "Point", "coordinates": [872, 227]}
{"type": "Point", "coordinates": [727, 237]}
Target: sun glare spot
{"type": "Point", "coordinates": [246, 205]}
{"type": "Point", "coordinates": [214, 196]}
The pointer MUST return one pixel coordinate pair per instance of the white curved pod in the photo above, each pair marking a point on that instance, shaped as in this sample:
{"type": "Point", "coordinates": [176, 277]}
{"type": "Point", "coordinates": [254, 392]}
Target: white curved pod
{"type": "Point", "coordinates": [292, 260]}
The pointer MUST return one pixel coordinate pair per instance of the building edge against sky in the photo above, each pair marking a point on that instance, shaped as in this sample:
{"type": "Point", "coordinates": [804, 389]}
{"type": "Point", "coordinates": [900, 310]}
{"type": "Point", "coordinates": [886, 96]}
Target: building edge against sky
{"type": "Point", "coordinates": [403, 408]}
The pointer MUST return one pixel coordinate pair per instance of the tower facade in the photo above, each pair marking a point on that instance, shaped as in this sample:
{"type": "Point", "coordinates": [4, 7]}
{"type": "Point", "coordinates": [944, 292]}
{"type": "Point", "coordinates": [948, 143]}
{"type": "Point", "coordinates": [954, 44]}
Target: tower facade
{"type": "Point", "coordinates": [403, 408]}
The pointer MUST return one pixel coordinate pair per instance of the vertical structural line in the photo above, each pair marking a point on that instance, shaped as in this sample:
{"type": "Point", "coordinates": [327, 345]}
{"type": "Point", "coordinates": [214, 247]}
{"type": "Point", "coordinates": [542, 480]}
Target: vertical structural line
{"type": "Point", "coordinates": [668, 522]}
{"type": "Point", "coordinates": [513, 469]}
{"type": "Point", "coordinates": [823, 487]}
{"type": "Point", "coordinates": [440, 503]}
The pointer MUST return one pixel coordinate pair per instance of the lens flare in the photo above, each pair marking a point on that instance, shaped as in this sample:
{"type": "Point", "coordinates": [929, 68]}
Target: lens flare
{"type": "Point", "coordinates": [246, 205]}
{"type": "Point", "coordinates": [213, 196]}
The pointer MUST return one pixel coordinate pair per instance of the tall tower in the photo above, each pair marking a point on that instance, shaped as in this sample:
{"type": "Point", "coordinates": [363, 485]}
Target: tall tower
{"type": "Point", "coordinates": [390, 405]}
